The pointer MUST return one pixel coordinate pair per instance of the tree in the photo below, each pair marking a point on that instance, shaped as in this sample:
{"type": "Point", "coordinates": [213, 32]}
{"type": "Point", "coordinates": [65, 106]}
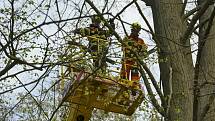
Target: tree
{"type": "Point", "coordinates": [187, 80]}
{"type": "Point", "coordinates": [205, 66]}
{"type": "Point", "coordinates": [27, 48]}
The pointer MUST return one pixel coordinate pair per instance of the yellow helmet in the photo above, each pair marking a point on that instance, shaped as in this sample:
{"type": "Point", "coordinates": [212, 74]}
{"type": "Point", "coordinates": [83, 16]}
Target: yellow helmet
{"type": "Point", "coordinates": [136, 26]}
{"type": "Point", "coordinates": [96, 19]}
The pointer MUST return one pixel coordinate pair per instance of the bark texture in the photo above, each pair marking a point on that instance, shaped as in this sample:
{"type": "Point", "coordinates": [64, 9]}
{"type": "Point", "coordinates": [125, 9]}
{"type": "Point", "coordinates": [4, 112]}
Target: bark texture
{"type": "Point", "coordinates": [206, 76]}
{"type": "Point", "coordinates": [175, 63]}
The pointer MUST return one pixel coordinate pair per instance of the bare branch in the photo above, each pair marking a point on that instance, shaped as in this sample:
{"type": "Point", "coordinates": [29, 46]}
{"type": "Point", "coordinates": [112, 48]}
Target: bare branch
{"type": "Point", "coordinates": [195, 18]}
{"type": "Point", "coordinates": [12, 75]}
{"type": "Point", "coordinates": [123, 9]}
{"type": "Point", "coordinates": [58, 11]}
{"type": "Point", "coordinates": [39, 105]}
{"type": "Point", "coordinates": [38, 26]}
{"type": "Point", "coordinates": [191, 12]}
{"type": "Point", "coordinates": [105, 6]}
{"type": "Point", "coordinates": [105, 21]}
{"type": "Point", "coordinates": [47, 12]}
{"type": "Point", "coordinates": [11, 34]}
{"type": "Point", "coordinates": [123, 25]}
{"type": "Point", "coordinates": [38, 80]}
{"type": "Point", "coordinates": [144, 18]}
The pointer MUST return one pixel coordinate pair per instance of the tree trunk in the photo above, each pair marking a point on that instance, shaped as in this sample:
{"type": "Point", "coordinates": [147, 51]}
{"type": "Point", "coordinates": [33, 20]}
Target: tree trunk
{"type": "Point", "coordinates": [206, 76]}
{"type": "Point", "coordinates": [169, 28]}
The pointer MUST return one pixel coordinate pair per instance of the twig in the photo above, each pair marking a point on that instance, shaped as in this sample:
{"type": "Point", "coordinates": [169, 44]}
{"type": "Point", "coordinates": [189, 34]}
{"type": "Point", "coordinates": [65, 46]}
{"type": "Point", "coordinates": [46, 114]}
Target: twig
{"type": "Point", "coordinates": [123, 9]}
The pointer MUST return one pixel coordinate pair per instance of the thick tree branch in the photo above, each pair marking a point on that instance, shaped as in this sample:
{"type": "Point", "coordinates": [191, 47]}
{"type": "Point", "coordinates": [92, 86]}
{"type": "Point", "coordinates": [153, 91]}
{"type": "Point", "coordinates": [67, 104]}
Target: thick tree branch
{"type": "Point", "coordinates": [195, 18]}
{"type": "Point", "coordinates": [199, 25]}
{"type": "Point", "coordinates": [191, 12]}
{"type": "Point", "coordinates": [150, 92]}
{"type": "Point", "coordinates": [7, 68]}
{"type": "Point", "coordinates": [154, 82]}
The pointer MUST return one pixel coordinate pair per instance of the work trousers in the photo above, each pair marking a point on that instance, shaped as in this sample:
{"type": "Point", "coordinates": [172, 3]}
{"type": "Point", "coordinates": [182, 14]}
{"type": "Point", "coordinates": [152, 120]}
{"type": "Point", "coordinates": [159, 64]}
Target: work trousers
{"type": "Point", "coordinates": [129, 70]}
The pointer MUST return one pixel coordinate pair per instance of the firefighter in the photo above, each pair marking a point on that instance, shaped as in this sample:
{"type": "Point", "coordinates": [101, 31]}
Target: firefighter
{"type": "Point", "coordinates": [137, 45]}
{"type": "Point", "coordinates": [98, 41]}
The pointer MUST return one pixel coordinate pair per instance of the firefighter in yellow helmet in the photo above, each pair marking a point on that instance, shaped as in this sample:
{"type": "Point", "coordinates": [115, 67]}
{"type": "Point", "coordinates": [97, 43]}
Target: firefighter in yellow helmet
{"type": "Point", "coordinates": [136, 44]}
{"type": "Point", "coordinates": [98, 41]}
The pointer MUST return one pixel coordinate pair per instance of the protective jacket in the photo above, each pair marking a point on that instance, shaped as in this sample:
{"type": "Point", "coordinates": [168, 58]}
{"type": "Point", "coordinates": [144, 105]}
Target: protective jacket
{"type": "Point", "coordinates": [98, 42]}
{"type": "Point", "coordinates": [129, 67]}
